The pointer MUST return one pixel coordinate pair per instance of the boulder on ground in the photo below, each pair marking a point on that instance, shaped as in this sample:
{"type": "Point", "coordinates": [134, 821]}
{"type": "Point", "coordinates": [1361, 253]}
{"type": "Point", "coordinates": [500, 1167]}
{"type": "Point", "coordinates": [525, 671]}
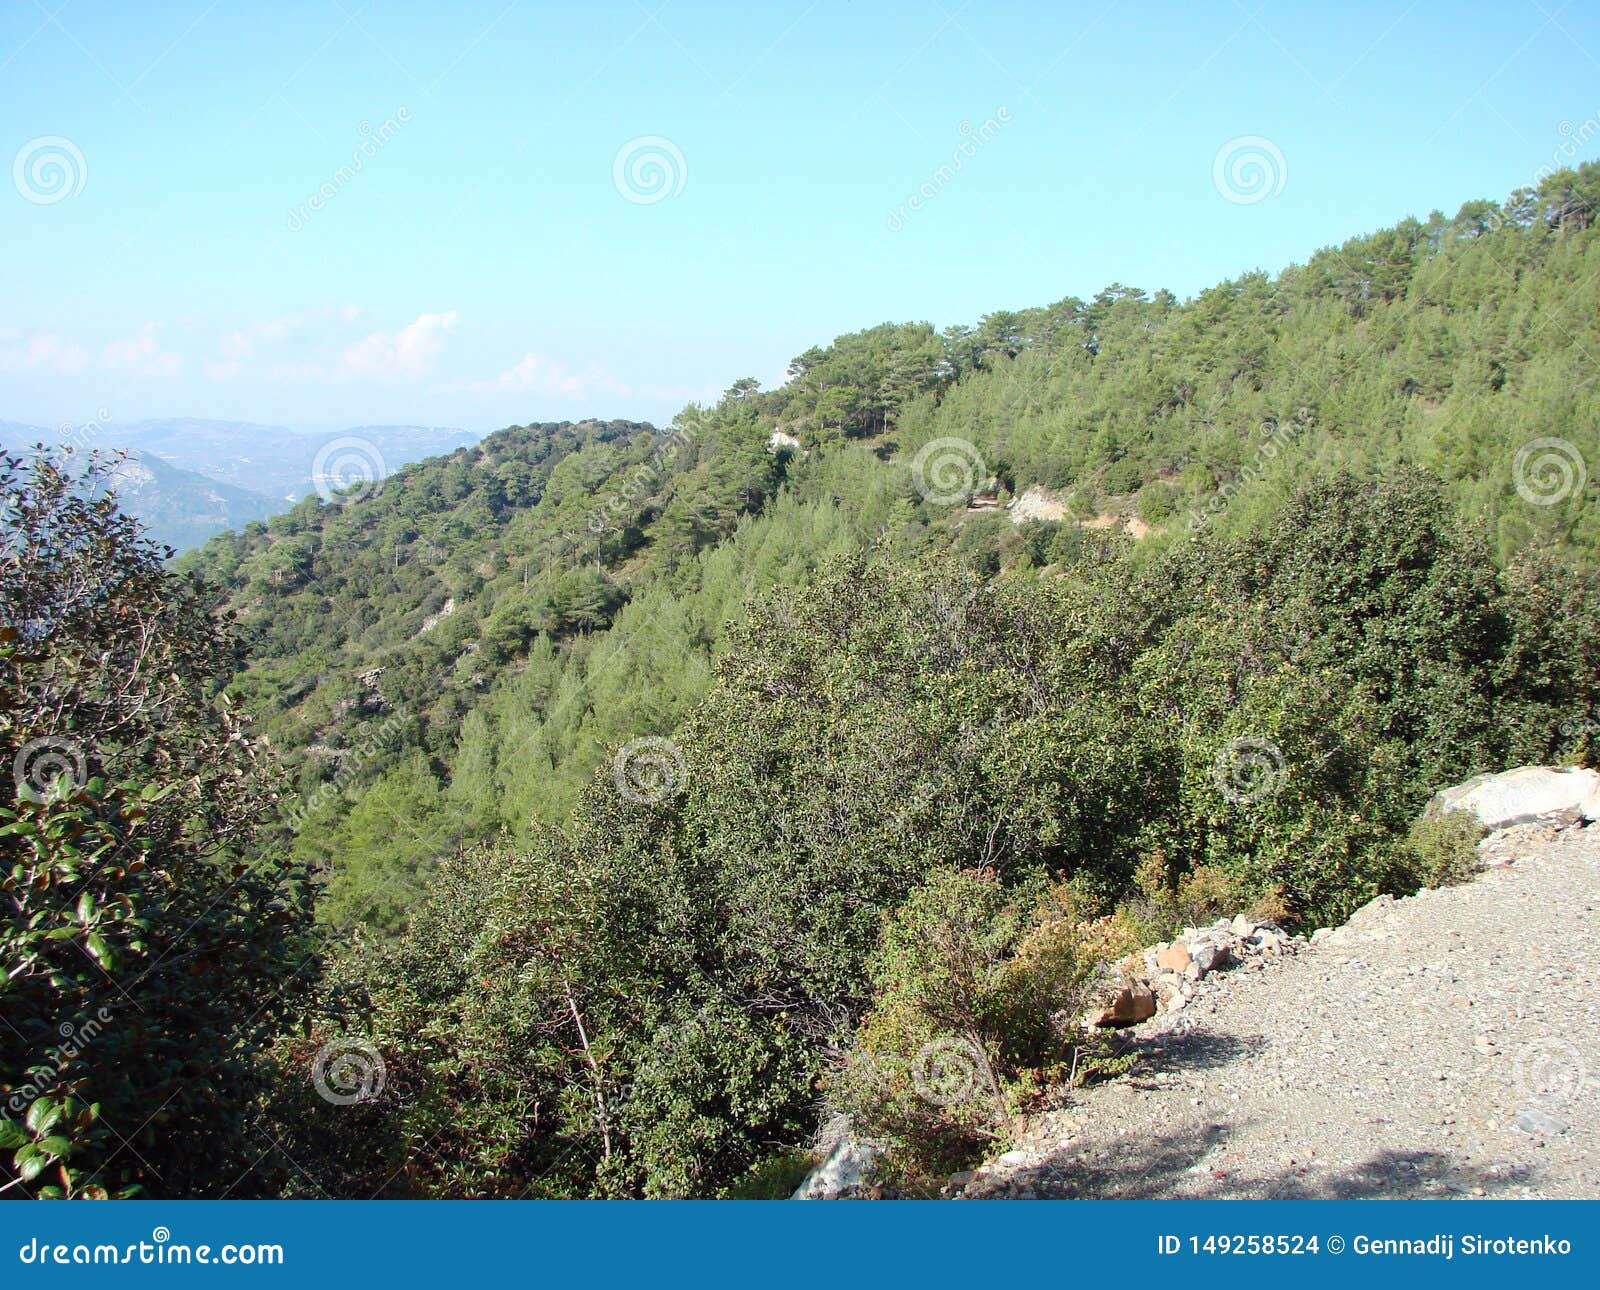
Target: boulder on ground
{"type": "Point", "coordinates": [1554, 795]}
{"type": "Point", "coordinates": [845, 1169]}
{"type": "Point", "coordinates": [1174, 958]}
{"type": "Point", "coordinates": [1133, 1003]}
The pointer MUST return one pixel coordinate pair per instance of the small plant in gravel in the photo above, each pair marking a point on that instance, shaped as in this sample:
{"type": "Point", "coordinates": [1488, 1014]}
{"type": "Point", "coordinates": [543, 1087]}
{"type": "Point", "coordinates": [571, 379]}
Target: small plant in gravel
{"type": "Point", "coordinates": [1443, 852]}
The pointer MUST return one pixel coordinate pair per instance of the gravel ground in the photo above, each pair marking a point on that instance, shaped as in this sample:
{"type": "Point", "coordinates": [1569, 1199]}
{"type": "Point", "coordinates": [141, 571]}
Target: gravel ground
{"type": "Point", "coordinates": [1443, 1045]}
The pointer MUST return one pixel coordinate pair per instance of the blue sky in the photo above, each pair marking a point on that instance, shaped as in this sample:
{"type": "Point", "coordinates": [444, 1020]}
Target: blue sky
{"type": "Point", "coordinates": [497, 258]}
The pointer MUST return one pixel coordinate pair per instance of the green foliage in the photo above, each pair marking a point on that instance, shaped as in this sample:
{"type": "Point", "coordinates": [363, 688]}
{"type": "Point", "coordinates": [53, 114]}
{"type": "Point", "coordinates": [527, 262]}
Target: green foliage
{"type": "Point", "coordinates": [570, 586]}
{"type": "Point", "coordinates": [775, 1178]}
{"type": "Point", "coordinates": [979, 991]}
{"type": "Point", "coordinates": [142, 963]}
{"type": "Point", "coordinates": [1444, 851]}
{"type": "Point", "coordinates": [1020, 743]}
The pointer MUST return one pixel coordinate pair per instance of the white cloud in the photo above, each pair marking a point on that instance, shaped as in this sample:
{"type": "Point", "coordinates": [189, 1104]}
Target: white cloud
{"type": "Point", "coordinates": [542, 374]}
{"type": "Point", "coordinates": [242, 341]}
{"type": "Point", "coordinates": [44, 351]}
{"type": "Point", "coordinates": [407, 353]}
{"type": "Point", "coordinates": [141, 354]}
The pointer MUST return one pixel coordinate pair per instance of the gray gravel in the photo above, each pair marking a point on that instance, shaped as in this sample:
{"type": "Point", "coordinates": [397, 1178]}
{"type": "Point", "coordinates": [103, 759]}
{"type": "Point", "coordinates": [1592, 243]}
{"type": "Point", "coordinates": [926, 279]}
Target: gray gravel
{"type": "Point", "coordinates": [1443, 1045]}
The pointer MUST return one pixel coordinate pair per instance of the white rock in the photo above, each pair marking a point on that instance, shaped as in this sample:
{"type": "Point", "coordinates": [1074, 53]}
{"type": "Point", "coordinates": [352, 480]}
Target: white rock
{"type": "Point", "coordinates": [846, 1166]}
{"type": "Point", "coordinates": [1554, 795]}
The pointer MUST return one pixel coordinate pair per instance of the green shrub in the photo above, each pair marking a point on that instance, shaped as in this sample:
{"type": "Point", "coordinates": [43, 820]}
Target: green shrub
{"type": "Point", "coordinates": [774, 1177]}
{"type": "Point", "coordinates": [1443, 851]}
{"type": "Point", "coordinates": [979, 994]}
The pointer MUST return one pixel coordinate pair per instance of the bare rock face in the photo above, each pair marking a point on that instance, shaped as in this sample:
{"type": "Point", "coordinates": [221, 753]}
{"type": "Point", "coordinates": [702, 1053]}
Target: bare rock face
{"type": "Point", "coordinates": [843, 1172]}
{"type": "Point", "coordinates": [1553, 795]}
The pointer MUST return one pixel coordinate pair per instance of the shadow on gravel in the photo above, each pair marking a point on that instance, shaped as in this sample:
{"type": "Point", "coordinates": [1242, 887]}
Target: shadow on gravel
{"type": "Point", "coordinates": [1193, 1050]}
{"type": "Point", "coordinates": [1195, 1163]}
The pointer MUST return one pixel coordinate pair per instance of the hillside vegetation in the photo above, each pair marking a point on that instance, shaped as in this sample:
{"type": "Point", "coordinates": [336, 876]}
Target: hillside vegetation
{"type": "Point", "coordinates": [661, 789]}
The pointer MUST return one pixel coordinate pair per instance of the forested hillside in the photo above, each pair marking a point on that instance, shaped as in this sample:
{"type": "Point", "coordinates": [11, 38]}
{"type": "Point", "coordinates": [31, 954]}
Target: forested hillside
{"type": "Point", "coordinates": [658, 792]}
{"type": "Point", "coordinates": [452, 657]}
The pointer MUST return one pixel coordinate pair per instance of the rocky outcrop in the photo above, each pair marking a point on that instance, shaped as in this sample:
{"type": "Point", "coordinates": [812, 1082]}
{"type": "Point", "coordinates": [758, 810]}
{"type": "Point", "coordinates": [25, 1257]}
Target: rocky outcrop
{"type": "Point", "coordinates": [433, 620]}
{"type": "Point", "coordinates": [1163, 978]}
{"type": "Point", "coordinates": [1038, 503]}
{"type": "Point", "coordinates": [1134, 1003]}
{"type": "Point", "coordinates": [844, 1171]}
{"type": "Point", "coordinates": [1553, 795]}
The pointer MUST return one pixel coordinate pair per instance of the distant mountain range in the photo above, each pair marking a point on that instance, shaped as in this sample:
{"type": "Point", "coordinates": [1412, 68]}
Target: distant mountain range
{"type": "Point", "coordinates": [188, 479]}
